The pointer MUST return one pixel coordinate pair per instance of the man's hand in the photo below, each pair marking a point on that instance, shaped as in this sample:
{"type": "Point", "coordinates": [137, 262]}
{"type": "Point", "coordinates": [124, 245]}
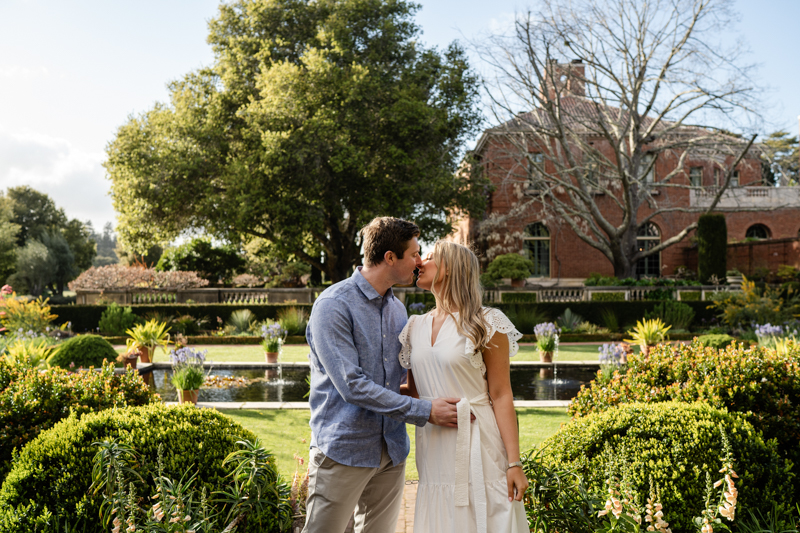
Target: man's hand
{"type": "Point", "coordinates": [444, 412]}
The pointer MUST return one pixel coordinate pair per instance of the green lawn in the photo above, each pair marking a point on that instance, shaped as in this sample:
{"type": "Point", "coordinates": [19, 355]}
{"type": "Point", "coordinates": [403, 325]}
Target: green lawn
{"type": "Point", "coordinates": [225, 353]}
{"type": "Point", "coordinates": [286, 432]}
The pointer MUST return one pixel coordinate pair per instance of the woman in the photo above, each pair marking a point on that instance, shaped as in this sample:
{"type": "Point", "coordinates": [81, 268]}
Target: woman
{"type": "Point", "coordinates": [470, 478]}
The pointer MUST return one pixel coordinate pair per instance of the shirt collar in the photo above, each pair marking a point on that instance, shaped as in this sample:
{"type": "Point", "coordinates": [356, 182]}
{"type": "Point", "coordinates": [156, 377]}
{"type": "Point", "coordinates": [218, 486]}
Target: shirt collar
{"type": "Point", "coordinates": [366, 287]}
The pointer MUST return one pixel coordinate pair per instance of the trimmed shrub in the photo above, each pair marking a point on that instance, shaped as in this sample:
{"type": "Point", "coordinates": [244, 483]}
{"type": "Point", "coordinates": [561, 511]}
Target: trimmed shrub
{"type": "Point", "coordinates": [84, 351]}
{"type": "Point", "coordinates": [116, 320]}
{"type": "Point", "coordinates": [512, 266]}
{"type": "Point", "coordinates": [677, 444]}
{"type": "Point", "coordinates": [690, 296]}
{"type": "Point", "coordinates": [32, 400]}
{"type": "Point", "coordinates": [608, 296]}
{"type": "Point", "coordinates": [712, 246]}
{"type": "Point", "coordinates": [55, 470]}
{"type": "Point", "coordinates": [718, 342]}
{"type": "Point", "coordinates": [759, 383]}
{"type": "Point", "coordinates": [518, 297]}
{"type": "Point", "coordinates": [87, 317]}
{"type": "Point", "coordinates": [675, 314]}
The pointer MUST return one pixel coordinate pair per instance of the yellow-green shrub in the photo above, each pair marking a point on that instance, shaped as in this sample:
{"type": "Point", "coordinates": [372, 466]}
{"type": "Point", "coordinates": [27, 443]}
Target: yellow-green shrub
{"type": "Point", "coordinates": [83, 351]}
{"type": "Point", "coordinates": [55, 469]}
{"type": "Point", "coordinates": [759, 383]}
{"type": "Point", "coordinates": [675, 443]}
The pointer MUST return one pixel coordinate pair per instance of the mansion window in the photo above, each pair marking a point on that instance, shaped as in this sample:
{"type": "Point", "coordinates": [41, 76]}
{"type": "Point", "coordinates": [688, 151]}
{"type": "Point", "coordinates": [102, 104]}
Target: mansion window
{"type": "Point", "coordinates": [536, 247]}
{"type": "Point", "coordinates": [535, 171]}
{"type": "Point", "coordinates": [649, 166]}
{"type": "Point", "coordinates": [757, 231]}
{"type": "Point", "coordinates": [647, 238]}
{"type": "Point", "coordinates": [696, 176]}
{"type": "Point", "coordinates": [719, 177]}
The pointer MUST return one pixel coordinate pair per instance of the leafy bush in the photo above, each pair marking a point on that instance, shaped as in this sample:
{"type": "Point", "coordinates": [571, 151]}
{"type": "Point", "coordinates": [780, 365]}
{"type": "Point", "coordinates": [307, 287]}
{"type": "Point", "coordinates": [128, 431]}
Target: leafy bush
{"type": "Point", "coordinates": [200, 255]}
{"type": "Point", "coordinates": [134, 277]}
{"type": "Point", "coordinates": [676, 444]}
{"type": "Point", "coordinates": [525, 317]}
{"type": "Point", "coordinates": [691, 296]}
{"type": "Point", "coordinates": [609, 319]}
{"type": "Point", "coordinates": [712, 246]}
{"type": "Point", "coordinates": [189, 325]}
{"type": "Point", "coordinates": [755, 305]}
{"type": "Point", "coordinates": [512, 266]}
{"type": "Point", "coordinates": [116, 320]}
{"type": "Point", "coordinates": [518, 297]}
{"type": "Point", "coordinates": [756, 382]}
{"type": "Point", "coordinates": [55, 470]}
{"type": "Point", "coordinates": [23, 315]}
{"type": "Point", "coordinates": [241, 322]}
{"type": "Point", "coordinates": [294, 320]}
{"type": "Point", "coordinates": [34, 351]}
{"type": "Point", "coordinates": [675, 314]}
{"type": "Point", "coordinates": [84, 351]}
{"type": "Point", "coordinates": [718, 342]}
{"type": "Point", "coordinates": [608, 296]}
{"type": "Point", "coordinates": [32, 400]}
{"type": "Point", "coordinates": [598, 280]}
{"type": "Point", "coordinates": [569, 321]}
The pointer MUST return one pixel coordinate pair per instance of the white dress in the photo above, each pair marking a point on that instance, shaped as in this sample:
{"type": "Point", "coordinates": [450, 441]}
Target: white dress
{"type": "Point", "coordinates": [462, 472]}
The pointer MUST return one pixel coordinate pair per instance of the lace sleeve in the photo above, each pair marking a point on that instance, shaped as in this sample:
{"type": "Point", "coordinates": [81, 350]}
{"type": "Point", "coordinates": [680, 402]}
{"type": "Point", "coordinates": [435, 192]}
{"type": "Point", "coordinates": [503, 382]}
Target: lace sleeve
{"type": "Point", "coordinates": [405, 343]}
{"type": "Point", "coordinates": [497, 322]}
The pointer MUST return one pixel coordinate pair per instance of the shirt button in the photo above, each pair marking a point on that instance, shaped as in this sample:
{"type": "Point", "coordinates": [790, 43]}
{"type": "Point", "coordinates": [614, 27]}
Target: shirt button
{"type": "Point", "coordinates": [387, 383]}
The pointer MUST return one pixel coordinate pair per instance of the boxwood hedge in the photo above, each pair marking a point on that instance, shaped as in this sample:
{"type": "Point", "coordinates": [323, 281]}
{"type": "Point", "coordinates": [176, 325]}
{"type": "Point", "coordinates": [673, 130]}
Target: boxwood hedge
{"type": "Point", "coordinates": [759, 383]}
{"type": "Point", "coordinates": [675, 443]}
{"type": "Point", "coordinates": [83, 351]}
{"type": "Point", "coordinates": [54, 471]}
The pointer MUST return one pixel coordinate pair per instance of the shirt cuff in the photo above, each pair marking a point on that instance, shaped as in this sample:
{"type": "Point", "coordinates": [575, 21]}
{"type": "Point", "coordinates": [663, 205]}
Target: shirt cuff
{"type": "Point", "coordinates": [420, 412]}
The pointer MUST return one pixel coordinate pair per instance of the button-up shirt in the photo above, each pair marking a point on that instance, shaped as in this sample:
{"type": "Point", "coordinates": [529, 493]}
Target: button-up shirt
{"type": "Point", "coordinates": [355, 402]}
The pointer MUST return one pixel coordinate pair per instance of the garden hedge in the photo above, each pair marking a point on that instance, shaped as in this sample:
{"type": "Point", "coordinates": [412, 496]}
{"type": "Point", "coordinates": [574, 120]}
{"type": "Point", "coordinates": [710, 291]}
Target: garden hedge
{"type": "Point", "coordinates": [83, 351]}
{"type": "Point", "coordinates": [675, 443]}
{"type": "Point", "coordinates": [55, 470]}
{"type": "Point", "coordinates": [87, 317]}
{"type": "Point", "coordinates": [32, 400]}
{"type": "Point", "coordinates": [759, 383]}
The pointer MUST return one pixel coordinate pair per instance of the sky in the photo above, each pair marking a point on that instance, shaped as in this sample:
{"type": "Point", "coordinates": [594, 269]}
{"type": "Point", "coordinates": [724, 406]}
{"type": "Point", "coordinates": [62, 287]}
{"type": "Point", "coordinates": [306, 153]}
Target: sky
{"type": "Point", "coordinates": [73, 71]}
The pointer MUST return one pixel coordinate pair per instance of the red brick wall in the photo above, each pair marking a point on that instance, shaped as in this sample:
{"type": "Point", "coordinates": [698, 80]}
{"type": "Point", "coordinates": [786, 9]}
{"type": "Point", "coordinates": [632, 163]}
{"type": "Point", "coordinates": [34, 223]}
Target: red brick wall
{"type": "Point", "coordinates": [572, 257]}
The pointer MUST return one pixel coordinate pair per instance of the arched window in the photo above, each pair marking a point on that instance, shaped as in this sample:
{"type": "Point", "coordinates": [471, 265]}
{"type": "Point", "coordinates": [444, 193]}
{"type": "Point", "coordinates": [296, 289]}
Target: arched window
{"type": "Point", "coordinates": [648, 237]}
{"type": "Point", "coordinates": [757, 231]}
{"type": "Point", "coordinates": [536, 245]}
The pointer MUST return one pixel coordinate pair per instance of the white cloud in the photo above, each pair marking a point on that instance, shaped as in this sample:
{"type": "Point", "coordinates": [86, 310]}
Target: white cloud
{"type": "Point", "coordinates": [75, 179]}
{"type": "Point", "coordinates": [15, 72]}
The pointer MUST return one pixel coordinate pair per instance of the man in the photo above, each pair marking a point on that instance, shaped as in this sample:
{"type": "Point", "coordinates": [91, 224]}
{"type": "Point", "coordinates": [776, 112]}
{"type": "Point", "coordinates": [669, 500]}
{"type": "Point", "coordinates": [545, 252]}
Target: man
{"type": "Point", "coordinates": [359, 442]}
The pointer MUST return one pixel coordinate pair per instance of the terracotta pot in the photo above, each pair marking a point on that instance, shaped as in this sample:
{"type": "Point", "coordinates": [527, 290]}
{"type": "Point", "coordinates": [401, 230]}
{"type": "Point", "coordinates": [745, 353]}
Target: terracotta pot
{"type": "Point", "coordinates": [545, 357]}
{"type": "Point", "coordinates": [518, 282]}
{"type": "Point", "coordinates": [130, 359]}
{"type": "Point", "coordinates": [272, 357]}
{"type": "Point", "coordinates": [545, 373]}
{"type": "Point", "coordinates": [145, 353]}
{"type": "Point", "coordinates": [646, 348]}
{"type": "Point", "coordinates": [188, 396]}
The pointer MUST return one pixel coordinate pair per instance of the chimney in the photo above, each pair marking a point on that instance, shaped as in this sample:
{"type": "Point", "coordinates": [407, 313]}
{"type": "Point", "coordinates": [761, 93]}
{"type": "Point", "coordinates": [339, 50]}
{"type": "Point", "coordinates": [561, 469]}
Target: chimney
{"type": "Point", "coordinates": [566, 79]}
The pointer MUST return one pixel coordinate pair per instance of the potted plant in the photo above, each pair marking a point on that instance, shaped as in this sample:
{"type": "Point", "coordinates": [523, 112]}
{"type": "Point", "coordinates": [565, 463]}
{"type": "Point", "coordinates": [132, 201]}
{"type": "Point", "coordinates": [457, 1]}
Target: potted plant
{"type": "Point", "coordinates": [187, 372]}
{"type": "Point", "coordinates": [144, 338]}
{"type": "Point", "coordinates": [129, 358]}
{"type": "Point", "coordinates": [273, 335]}
{"type": "Point", "coordinates": [546, 340]}
{"type": "Point", "coordinates": [648, 333]}
{"type": "Point", "coordinates": [512, 266]}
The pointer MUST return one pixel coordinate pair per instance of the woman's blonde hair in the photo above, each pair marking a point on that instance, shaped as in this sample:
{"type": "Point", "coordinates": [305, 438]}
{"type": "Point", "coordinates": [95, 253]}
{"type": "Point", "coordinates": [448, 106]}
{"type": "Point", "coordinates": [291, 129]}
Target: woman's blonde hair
{"type": "Point", "coordinates": [460, 290]}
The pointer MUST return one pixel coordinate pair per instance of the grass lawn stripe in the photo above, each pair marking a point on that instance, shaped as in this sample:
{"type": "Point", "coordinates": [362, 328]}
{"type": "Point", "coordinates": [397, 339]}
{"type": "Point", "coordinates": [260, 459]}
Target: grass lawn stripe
{"type": "Point", "coordinates": [286, 432]}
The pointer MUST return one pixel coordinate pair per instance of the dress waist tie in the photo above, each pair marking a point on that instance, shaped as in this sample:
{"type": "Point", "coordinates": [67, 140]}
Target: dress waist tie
{"type": "Point", "coordinates": [468, 460]}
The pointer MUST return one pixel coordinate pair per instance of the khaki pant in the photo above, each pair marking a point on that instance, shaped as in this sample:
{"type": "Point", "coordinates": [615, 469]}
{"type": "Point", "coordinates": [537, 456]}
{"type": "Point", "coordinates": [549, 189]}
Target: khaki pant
{"type": "Point", "coordinates": [334, 490]}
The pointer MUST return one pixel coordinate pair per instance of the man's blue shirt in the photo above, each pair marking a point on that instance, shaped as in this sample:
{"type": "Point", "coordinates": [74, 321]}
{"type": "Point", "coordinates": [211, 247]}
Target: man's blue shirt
{"type": "Point", "coordinates": [354, 333]}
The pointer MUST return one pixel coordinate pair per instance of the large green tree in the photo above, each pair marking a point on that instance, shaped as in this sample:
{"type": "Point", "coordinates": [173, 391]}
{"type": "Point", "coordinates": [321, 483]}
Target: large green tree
{"type": "Point", "coordinates": [200, 255]}
{"type": "Point", "coordinates": [781, 157]}
{"type": "Point", "coordinates": [35, 213]}
{"type": "Point", "coordinates": [314, 118]}
{"type": "Point", "coordinates": [8, 238]}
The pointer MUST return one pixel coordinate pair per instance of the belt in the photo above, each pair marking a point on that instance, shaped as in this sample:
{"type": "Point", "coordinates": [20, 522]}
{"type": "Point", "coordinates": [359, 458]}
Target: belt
{"type": "Point", "coordinates": [468, 459]}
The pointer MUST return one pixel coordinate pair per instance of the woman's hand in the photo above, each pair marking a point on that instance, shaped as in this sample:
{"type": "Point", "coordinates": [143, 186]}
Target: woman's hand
{"type": "Point", "coordinates": [517, 483]}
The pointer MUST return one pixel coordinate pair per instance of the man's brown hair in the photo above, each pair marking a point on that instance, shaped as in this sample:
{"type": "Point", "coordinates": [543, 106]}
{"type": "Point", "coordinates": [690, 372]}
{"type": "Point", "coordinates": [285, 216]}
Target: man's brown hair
{"type": "Point", "coordinates": [386, 234]}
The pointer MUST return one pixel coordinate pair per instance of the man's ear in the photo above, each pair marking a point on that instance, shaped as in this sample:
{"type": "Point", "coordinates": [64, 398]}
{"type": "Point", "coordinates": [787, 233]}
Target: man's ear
{"type": "Point", "coordinates": [389, 257]}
